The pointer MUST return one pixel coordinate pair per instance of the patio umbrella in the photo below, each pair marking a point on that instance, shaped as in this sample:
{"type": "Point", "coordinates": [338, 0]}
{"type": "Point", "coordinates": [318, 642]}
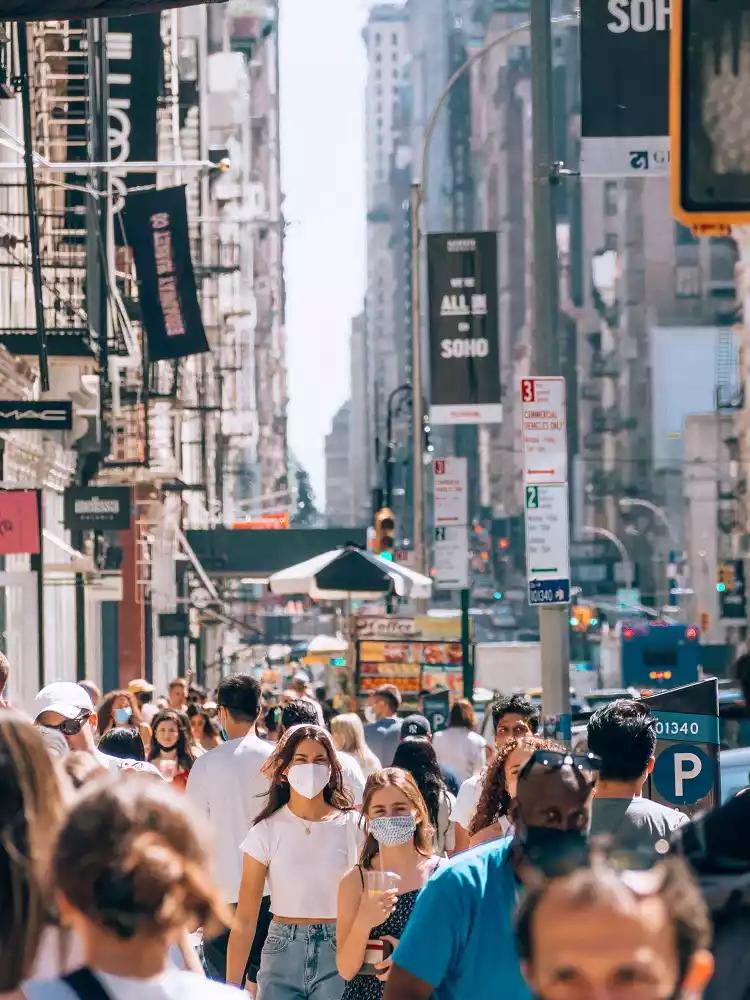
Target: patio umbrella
{"type": "Point", "coordinates": [348, 574]}
{"type": "Point", "coordinates": [327, 644]}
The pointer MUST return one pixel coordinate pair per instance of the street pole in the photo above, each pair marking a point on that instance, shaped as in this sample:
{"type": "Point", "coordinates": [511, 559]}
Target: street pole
{"type": "Point", "coordinates": [417, 415]}
{"type": "Point", "coordinates": [554, 622]}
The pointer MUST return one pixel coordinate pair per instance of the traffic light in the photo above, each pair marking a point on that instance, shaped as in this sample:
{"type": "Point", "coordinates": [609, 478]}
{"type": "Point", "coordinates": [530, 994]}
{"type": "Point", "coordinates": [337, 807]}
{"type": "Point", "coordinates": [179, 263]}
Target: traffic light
{"type": "Point", "coordinates": [725, 578]}
{"type": "Point", "coordinates": [385, 533]}
{"type": "Point", "coordinates": [705, 622]}
{"type": "Point", "coordinates": [429, 447]}
{"type": "Point", "coordinates": [710, 143]}
{"type": "Point", "coordinates": [583, 617]}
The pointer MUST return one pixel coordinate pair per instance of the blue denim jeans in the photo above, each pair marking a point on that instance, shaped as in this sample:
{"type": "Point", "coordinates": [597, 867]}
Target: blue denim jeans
{"type": "Point", "coordinates": [299, 960]}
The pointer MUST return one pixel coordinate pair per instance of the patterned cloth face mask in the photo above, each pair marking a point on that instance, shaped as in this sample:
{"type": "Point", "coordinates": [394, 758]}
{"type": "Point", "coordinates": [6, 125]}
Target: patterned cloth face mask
{"type": "Point", "coordinates": [390, 831]}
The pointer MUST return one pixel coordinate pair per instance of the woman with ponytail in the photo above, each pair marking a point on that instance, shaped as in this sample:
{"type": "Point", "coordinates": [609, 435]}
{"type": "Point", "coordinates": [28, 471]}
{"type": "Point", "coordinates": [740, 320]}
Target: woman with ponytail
{"type": "Point", "coordinates": [128, 871]}
{"type": "Point", "coordinates": [371, 918]}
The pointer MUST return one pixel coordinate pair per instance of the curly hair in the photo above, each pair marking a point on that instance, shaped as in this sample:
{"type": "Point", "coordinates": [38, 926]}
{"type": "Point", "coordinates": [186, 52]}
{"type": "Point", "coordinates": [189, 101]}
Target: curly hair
{"type": "Point", "coordinates": [494, 801]}
{"type": "Point", "coordinates": [416, 755]}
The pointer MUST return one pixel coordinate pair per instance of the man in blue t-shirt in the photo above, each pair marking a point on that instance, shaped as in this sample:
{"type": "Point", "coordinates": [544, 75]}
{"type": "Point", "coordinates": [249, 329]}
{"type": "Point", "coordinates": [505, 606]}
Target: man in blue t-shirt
{"type": "Point", "coordinates": [459, 943]}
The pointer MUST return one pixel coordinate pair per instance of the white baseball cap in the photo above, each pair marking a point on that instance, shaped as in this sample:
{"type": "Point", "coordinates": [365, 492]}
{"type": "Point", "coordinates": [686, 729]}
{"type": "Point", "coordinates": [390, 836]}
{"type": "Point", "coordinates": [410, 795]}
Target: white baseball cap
{"type": "Point", "coordinates": [64, 698]}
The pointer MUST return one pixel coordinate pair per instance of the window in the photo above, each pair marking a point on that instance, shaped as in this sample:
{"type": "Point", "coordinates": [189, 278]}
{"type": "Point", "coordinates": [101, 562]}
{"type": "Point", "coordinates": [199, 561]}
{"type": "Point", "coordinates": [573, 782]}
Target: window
{"type": "Point", "coordinates": [683, 236]}
{"type": "Point", "coordinates": [395, 74]}
{"type": "Point", "coordinates": [378, 57]}
{"type": "Point", "coordinates": [380, 140]}
{"type": "Point", "coordinates": [610, 241]}
{"type": "Point", "coordinates": [377, 38]}
{"type": "Point", "coordinates": [610, 198]}
{"type": "Point", "coordinates": [394, 38]}
{"type": "Point", "coordinates": [379, 123]}
{"type": "Point", "coordinates": [379, 109]}
{"type": "Point", "coordinates": [377, 74]}
{"type": "Point", "coordinates": [378, 90]}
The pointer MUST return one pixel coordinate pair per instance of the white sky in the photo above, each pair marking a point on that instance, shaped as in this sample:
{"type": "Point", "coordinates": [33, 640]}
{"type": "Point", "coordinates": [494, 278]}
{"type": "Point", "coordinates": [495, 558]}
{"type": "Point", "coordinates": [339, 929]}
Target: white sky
{"type": "Point", "coordinates": [323, 73]}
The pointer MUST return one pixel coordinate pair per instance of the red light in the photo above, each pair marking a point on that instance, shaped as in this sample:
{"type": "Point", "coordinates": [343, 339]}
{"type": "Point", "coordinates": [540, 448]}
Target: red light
{"type": "Point", "coordinates": [485, 556]}
{"type": "Point", "coordinates": [628, 633]}
{"type": "Point", "coordinates": [691, 633]}
{"type": "Point", "coordinates": [504, 543]}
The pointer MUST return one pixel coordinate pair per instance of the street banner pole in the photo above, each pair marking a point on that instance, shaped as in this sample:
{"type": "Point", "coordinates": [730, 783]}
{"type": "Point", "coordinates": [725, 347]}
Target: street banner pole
{"type": "Point", "coordinates": [554, 628]}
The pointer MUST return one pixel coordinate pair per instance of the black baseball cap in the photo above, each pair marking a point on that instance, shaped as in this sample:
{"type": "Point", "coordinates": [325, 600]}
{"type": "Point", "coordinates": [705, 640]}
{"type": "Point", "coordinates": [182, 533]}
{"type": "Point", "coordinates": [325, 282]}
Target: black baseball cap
{"type": "Point", "coordinates": [415, 725]}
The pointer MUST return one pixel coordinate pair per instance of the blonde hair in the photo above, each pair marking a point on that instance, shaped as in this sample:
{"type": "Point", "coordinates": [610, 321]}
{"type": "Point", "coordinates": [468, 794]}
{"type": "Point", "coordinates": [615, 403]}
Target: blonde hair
{"type": "Point", "coordinates": [132, 859]}
{"type": "Point", "coordinates": [350, 732]}
{"type": "Point", "coordinates": [395, 777]}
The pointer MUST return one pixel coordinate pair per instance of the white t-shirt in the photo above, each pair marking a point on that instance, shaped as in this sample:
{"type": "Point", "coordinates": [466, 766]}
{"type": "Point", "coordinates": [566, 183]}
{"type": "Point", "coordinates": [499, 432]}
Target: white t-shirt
{"type": "Point", "coordinates": [306, 860]}
{"type": "Point", "coordinates": [462, 749]}
{"type": "Point", "coordinates": [354, 779]}
{"type": "Point", "coordinates": [170, 985]}
{"type": "Point", "coordinates": [227, 784]}
{"type": "Point", "coordinates": [466, 803]}
{"type": "Point", "coordinates": [61, 952]}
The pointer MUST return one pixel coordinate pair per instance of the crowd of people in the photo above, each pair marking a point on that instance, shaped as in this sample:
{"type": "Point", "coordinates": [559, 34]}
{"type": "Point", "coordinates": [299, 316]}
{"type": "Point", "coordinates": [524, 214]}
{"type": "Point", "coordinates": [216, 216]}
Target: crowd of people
{"type": "Point", "coordinates": [305, 855]}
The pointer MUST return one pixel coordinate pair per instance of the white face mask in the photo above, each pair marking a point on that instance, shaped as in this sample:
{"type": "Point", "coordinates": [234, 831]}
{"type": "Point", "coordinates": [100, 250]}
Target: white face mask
{"type": "Point", "coordinates": [370, 714]}
{"type": "Point", "coordinates": [309, 780]}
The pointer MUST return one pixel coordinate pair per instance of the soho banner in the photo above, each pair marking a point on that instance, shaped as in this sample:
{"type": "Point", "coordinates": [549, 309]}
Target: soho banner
{"type": "Point", "coordinates": [625, 87]}
{"type": "Point", "coordinates": [156, 226]}
{"type": "Point", "coordinates": [103, 508]}
{"type": "Point", "coordinates": [464, 339]}
{"type": "Point", "coordinates": [69, 10]}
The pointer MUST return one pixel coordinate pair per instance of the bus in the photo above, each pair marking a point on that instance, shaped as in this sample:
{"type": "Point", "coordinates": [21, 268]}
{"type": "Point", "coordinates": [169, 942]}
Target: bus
{"type": "Point", "coordinates": [652, 655]}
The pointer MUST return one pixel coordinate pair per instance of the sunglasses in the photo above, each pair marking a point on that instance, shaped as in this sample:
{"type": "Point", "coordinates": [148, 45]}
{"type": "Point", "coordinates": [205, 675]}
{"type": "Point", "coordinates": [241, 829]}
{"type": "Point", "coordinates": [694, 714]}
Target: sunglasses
{"type": "Point", "coordinates": [71, 727]}
{"type": "Point", "coordinates": [556, 759]}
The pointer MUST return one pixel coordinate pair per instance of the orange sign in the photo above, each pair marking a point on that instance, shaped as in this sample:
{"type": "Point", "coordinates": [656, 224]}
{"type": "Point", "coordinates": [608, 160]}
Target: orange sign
{"type": "Point", "coordinates": [267, 522]}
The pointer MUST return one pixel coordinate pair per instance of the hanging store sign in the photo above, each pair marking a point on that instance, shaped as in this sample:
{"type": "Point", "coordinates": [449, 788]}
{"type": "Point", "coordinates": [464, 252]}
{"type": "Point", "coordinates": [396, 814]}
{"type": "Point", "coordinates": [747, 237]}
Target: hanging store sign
{"type": "Point", "coordinates": [97, 507]}
{"type": "Point", "coordinates": [69, 10]}
{"type": "Point", "coordinates": [20, 531]}
{"type": "Point", "coordinates": [625, 87]}
{"type": "Point", "coordinates": [134, 62]}
{"type": "Point", "coordinates": [36, 415]}
{"type": "Point", "coordinates": [156, 225]}
{"type": "Point", "coordinates": [464, 338]}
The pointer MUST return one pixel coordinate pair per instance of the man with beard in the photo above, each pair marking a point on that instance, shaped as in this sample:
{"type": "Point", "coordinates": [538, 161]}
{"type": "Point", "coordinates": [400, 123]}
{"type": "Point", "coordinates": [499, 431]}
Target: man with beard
{"type": "Point", "coordinates": [461, 933]}
{"type": "Point", "coordinates": [610, 934]}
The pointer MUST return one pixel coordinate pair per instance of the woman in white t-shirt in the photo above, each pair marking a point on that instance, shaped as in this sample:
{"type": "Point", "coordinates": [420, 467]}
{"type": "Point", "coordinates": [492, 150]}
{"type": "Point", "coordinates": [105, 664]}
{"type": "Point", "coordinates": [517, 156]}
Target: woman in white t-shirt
{"type": "Point", "coordinates": [128, 869]}
{"type": "Point", "coordinates": [302, 843]}
{"type": "Point", "coordinates": [459, 746]}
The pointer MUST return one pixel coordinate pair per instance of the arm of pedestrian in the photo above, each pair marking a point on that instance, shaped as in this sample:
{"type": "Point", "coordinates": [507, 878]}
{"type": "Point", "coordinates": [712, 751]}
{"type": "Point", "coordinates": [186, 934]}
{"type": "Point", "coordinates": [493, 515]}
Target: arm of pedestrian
{"type": "Point", "coordinates": [357, 914]}
{"type": "Point", "coordinates": [401, 985]}
{"type": "Point", "coordinates": [245, 919]}
{"type": "Point", "coordinates": [384, 967]}
{"type": "Point", "coordinates": [462, 839]}
{"type": "Point", "coordinates": [188, 954]}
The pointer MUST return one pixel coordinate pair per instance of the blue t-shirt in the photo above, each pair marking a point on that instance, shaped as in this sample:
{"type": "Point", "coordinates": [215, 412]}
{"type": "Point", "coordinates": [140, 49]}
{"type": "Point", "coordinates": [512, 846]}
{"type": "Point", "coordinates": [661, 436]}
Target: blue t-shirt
{"type": "Point", "coordinates": [459, 937]}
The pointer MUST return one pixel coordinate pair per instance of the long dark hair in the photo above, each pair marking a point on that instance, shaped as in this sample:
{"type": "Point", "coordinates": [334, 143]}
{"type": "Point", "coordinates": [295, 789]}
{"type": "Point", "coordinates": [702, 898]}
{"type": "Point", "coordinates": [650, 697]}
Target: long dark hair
{"type": "Point", "coordinates": [277, 764]}
{"type": "Point", "coordinates": [417, 755]}
{"type": "Point", "coordinates": [31, 809]}
{"type": "Point", "coordinates": [185, 753]}
{"type": "Point", "coordinates": [494, 800]}
{"type": "Point", "coordinates": [105, 715]}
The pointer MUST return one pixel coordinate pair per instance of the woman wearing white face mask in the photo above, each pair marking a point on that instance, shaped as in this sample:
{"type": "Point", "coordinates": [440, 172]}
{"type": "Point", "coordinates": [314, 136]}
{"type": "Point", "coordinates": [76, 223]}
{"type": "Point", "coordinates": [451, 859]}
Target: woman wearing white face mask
{"type": "Point", "coordinates": [301, 844]}
{"type": "Point", "coordinates": [377, 897]}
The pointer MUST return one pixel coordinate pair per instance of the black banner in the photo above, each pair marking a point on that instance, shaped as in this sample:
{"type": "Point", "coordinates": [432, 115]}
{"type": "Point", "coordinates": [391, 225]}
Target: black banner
{"type": "Point", "coordinates": [732, 598]}
{"type": "Point", "coordinates": [156, 226]}
{"type": "Point", "coordinates": [624, 86]}
{"type": "Point", "coordinates": [68, 10]}
{"type": "Point", "coordinates": [135, 71]}
{"type": "Point", "coordinates": [97, 507]}
{"type": "Point", "coordinates": [36, 415]}
{"type": "Point", "coordinates": [464, 339]}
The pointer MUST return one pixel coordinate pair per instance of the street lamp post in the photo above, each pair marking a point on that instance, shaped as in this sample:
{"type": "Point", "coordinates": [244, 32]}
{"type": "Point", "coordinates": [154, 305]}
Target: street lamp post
{"type": "Point", "coordinates": [418, 196]}
{"type": "Point", "coordinates": [627, 503]}
{"type": "Point", "coordinates": [618, 542]}
{"type": "Point", "coordinates": [388, 494]}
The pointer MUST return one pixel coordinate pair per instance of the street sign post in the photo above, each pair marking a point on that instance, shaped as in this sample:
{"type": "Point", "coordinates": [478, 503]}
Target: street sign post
{"type": "Point", "coordinates": [452, 558]}
{"type": "Point", "coordinates": [436, 708]}
{"type": "Point", "coordinates": [545, 445]}
{"type": "Point", "coordinates": [451, 495]}
{"type": "Point", "coordinates": [543, 426]}
{"type": "Point", "coordinates": [686, 774]}
{"type": "Point", "coordinates": [547, 544]}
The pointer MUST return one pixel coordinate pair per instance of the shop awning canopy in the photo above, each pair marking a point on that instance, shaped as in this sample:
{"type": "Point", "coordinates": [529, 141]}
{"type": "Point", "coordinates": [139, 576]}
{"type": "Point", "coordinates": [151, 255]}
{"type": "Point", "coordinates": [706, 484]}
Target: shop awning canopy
{"type": "Point", "coordinates": [70, 10]}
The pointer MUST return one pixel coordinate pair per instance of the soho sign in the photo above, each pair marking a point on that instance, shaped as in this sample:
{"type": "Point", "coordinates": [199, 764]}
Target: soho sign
{"type": "Point", "coordinates": [639, 15]}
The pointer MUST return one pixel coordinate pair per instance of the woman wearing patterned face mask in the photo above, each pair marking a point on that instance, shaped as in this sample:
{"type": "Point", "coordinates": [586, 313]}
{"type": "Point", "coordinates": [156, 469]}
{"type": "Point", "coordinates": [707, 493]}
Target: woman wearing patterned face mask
{"type": "Point", "coordinates": [377, 896]}
{"type": "Point", "coordinates": [301, 844]}
{"type": "Point", "coordinates": [119, 709]}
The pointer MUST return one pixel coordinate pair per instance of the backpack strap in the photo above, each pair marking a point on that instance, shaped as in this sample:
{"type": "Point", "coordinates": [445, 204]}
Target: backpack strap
{"type": "Point", "coordinates": [86, 986]}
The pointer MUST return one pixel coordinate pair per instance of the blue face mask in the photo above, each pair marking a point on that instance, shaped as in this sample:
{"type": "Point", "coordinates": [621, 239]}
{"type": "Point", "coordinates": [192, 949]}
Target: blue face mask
{"type": "Point", "coordinates": [123, 715]}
